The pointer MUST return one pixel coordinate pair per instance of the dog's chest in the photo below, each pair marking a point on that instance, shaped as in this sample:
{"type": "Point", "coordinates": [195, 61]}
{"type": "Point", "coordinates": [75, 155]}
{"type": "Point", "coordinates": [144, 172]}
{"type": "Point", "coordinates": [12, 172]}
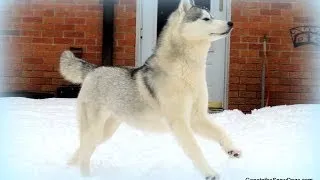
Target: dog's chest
{"type": "Point", "coordinates": [190, 76]}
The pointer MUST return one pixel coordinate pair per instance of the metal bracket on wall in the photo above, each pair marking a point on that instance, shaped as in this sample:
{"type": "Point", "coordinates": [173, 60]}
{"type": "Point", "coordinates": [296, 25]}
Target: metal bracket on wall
{"type": "Point", "coordinates": [303, 35]}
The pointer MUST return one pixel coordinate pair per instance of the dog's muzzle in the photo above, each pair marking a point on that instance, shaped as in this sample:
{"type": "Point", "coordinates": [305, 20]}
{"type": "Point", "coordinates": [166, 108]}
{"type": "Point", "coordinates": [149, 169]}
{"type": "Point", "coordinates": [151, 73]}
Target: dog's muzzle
{"type": "Point", "coordinates": [230, 25]}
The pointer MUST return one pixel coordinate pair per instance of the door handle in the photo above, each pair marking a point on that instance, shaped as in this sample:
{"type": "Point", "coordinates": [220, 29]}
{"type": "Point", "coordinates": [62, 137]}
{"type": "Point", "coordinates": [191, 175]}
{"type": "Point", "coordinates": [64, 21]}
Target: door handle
{"type": "Point", "coordinates": [221, 5]}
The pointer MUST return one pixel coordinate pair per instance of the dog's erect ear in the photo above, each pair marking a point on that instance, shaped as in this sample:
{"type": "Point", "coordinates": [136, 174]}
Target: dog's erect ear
{"type": "Point", "coordinates": [185, 5]}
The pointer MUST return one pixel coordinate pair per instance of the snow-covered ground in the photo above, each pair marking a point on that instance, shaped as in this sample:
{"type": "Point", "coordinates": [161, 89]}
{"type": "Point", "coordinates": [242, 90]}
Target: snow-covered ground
{"type": "Point", "coordinates": [38, 136]}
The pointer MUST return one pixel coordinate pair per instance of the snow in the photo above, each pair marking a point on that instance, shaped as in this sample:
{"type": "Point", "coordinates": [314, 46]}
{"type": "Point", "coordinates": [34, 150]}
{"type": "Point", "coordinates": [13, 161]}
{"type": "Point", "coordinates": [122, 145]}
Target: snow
{"type": "Point", "coordinates": [39, 136]}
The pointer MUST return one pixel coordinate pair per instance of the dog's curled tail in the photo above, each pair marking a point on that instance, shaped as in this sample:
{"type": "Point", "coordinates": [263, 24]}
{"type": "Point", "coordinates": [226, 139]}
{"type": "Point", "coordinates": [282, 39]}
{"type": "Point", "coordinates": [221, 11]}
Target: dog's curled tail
{"type": "Point", "coordinates": [74, 69]}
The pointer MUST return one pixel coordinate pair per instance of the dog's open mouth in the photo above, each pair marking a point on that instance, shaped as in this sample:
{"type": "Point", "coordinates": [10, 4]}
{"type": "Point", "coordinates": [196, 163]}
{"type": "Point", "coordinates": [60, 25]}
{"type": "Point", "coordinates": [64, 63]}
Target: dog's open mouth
{"type": "Point", "coordinates": [224, 33]}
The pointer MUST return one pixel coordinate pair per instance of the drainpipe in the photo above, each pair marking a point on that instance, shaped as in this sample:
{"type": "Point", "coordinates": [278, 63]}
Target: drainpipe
{"type": "Point", "coordinates": [108, 32]}
{"type": "Point", "coordinates": [263, 80]}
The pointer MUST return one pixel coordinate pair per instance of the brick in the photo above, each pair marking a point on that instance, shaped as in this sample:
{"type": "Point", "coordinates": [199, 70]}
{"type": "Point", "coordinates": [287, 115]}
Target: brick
{"type": "Point", "coordinates": [65, 27]}
{"type": "Point", "coordinates": [73, 34]}
{"type": "Point", "coordinates": [234, 80]}
{"type": "Point", "coordinates": [249, 53]}
{"type": "Point", "coordinates": [253, 88]}
{"type": "Point", "coordinates": [22, 12]}
{"type": "Point", "coordinates": [43, 40]}
{"type": "Point", "coordinates": [75, 20]}
{"type": "Point", "coordinates": [280, 88]}
{"type": "Point", "coordinates": [130, 50]}
{"type": "Point", "coordinates": [291, 96]}
{"type": "Point", "coordinates": [300, 89]}
{"type": "Point", "coordinates": [32, 74]}
{"type": "Point", "coordinates": [32, 19]}
{"type": "Point", "coordinates": [258, 32]}
{"type": "Point", "coordinates": [32, 60]}
{"type": "Point", "coordinates": [90, 14]}
{"type": "Point", "coordinates": [290, 67]}
{"type": "Point", "coordinates": [119, 36]}
{"type": "Point", "coordinates": [272, 81]}
{"type": "Point", "coordinates": [268, 12]}
{"type": "Point", "coordinates": [126, 42]}
{"type": "Point", "coordinates": [95, 7]}
{"type": "Point", "coordinates": [278, 5]}
{"type": "Point", "coordinates": [259, 19]}
{"type": "Point", "coordinates": [85, 42]}
{"type": "Point", "coordinates": [291, 82]}
{"type": "Point", "coordinates": [31, 33]}
{"type": "Point", "coordinates": [256, 46]}
{"type": "Point", "coordinates": [44, 13]}
{"type": "Point", "coordinates": [63, 41]}
{"type": "Point", "coordinates": [249, 39]}
{"type": "Point", "coordinates": [65, 1]}
{"type": "Point", "coordinates": [130, 36]}
{"type": "Point", "coordinates": [51, 74]}
{"type": "Point", "coordinates": [281, 19]}
{"type": "Point", "coordinates": [239, 46]}
{"type": "Point", "coordinates": [232, 107]}
{"type": "Point", "coordinates": [52, 34]}
{"type": "Point", "coordinates": [64, 13]}
{"type": "Point", "coordinates": [233, 94]}
{"type": "Point", "coordinates": [94, 21]}
{"type": "Point", "coordinates": [240, 19]}
{"type": "Point", "coordinates": [247, 94]}
{"type": "Point", "coordinates": [252, 12]}
{"type": "Point", "coordinates": [53, 20]}
{"type": "Point", "coordinates": [236, 101]}
{"type": "Point", "coordinates": [250, 73]}
{"type": "Point", "coordinates": [94, 48]}
{"type": "Point", "coordinates": [38, 67]}
{"type": "Point", "coordinates": [250, 80]}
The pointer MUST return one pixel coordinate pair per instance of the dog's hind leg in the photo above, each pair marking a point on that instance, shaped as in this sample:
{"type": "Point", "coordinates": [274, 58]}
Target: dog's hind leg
{"type": "Point", "coordinates": [211, 131]}
{"type": "Point", "coordinates": [83, 126]}
{"type": "Point", "coordinates": [98, 127]}
{"type": "Point", "coordinates": [110, 126]}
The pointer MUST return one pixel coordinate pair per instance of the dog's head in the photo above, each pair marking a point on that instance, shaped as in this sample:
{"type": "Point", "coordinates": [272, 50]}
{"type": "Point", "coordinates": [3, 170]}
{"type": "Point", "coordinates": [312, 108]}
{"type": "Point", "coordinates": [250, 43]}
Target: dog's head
{"type": "Point", "coordinates": [197, 23]}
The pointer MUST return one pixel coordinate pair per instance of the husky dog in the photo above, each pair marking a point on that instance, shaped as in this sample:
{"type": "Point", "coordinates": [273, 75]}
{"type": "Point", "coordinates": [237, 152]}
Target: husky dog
{"type": "Point", "coordinates": [167, 94]}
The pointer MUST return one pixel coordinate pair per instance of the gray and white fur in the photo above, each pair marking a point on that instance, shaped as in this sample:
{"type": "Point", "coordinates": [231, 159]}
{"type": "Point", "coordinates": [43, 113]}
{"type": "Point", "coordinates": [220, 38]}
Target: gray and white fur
{"type": "Point", "coordinates": [167, 94]}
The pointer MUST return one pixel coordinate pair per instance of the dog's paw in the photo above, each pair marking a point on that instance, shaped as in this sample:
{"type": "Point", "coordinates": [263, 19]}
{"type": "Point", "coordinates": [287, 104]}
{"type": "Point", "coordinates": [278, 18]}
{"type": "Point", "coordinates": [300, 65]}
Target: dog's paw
{"type": "Point", "coordinates": [234, 153]}
{"type": "Point", "coordinates": [216, 177]}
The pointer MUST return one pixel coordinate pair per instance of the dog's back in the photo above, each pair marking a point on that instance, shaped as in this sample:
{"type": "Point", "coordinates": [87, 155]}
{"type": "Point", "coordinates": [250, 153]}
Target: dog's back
{"type": "Point", "coordinates": [114, 88]}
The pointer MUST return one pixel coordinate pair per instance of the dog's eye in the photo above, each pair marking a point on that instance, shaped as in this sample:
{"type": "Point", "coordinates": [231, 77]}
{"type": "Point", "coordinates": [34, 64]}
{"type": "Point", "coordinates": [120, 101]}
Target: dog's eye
{"type": "Point", "coordinates": [206, 19]}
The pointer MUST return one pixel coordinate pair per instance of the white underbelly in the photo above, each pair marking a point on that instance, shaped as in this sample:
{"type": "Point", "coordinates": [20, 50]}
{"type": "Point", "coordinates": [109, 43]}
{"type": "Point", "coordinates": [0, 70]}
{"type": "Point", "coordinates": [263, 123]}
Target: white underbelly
{"type": "Point", "coordinates": [148, 122]}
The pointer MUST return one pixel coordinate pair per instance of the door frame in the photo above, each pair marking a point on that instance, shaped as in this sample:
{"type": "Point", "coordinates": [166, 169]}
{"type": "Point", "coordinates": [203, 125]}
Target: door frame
{"type": "Point", "coordinates": [138, 32]}
{"type": "Point", "coordinates": [138, 60]}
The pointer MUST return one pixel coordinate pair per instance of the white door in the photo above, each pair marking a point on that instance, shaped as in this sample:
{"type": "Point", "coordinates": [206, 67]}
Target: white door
{"type": "Point", "coordinates": [218, 60]}
{"type": "Point", "coordinates": [146, 29]}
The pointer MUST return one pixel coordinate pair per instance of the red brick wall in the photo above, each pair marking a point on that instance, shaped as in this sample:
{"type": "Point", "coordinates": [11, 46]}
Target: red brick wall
{"type": "Point", "coordinates": [37, 31]}
{"type": "Point", "coordinates": [125, 33]}
{"type": "Point", "coordinates": [292, 73]}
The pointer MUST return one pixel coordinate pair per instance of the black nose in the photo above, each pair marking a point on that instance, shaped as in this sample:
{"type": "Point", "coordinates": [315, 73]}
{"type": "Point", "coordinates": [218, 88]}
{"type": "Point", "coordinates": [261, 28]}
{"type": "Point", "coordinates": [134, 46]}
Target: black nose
{"type": "Point", "coordinates": [230, 23]}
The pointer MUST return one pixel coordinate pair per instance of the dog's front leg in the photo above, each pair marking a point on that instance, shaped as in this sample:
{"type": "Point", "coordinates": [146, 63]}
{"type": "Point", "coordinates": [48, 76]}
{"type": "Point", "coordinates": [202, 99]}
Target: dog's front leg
{"type": "Point", "coordinates": [185, 137]}
{"type": "Point", "coordinates": [209, 130]}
